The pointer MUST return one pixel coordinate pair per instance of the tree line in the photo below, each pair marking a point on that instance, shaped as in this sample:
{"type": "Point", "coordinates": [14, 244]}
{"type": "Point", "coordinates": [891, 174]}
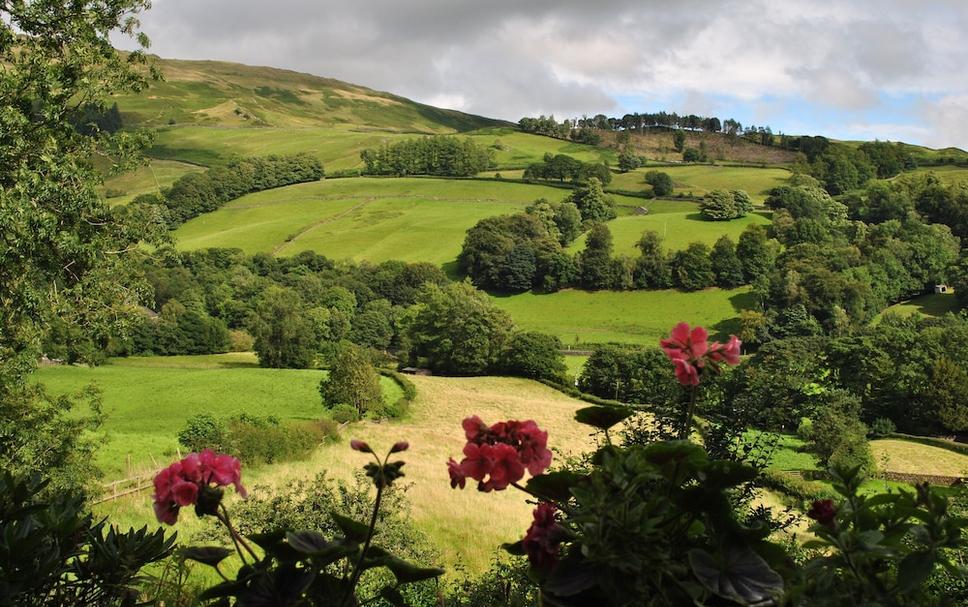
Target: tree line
{"type": "Point", "coordinates": [562, 167]}
{"type": "Point", "coordinates": [196, 193]}
{"type": "Point", "coordinates": [441, 155]}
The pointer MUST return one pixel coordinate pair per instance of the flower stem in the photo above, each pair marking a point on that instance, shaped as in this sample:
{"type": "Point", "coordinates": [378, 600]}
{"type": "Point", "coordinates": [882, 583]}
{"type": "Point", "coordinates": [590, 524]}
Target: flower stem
{"type": "Point", "coordinates": [358, 568]}
{"type": "Point", "coordinates": [687, 422]}
{"type": "Point", "coordinates": [236, 536]}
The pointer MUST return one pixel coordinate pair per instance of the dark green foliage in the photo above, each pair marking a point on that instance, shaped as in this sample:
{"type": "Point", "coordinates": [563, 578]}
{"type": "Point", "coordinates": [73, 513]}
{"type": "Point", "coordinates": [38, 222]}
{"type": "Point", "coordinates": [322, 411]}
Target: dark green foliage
{"type": "Point", "coordinates": [197, 193]}
{"type": "Point", "coordinates": [255, 440]}
{"type": "Point", "coordinates": [692, 268]}
{"type": "Point", "coordinates": [442, 155]}
{"type": "Point", "coordinates": [679, 140]}
{"type": "Point", "coordinates": [592, 202]}
{"type": "Point", "coordinates": [661, 182]}
{"type": "Point", "coordinates": [723, 205]}
{"type": "Point", "coordinates": [536, 356]}
{"type": "Point", "coordinates": [628, 160]}
{"type": "Point", "coordinates": [629, 374]}
{"type": "Point", "coordinates": [948, 390]}
{"type": "Point", "coordinates": [754, 252]}
{"type": "Point", "coordinates": [882, 426]}
{"type": "Point", "coordinates": [54, 553]}
{"type": "Point", "coordinates": [513, 252]}
{"type": "Point", "coordinates": [373, 326]}
{"type": "Point", "coordinates": [285, 337]}
{"type": "Point", "coordinates": [842, 169]}
{"type": "Point", "coordinates": [353, 381]}
{"type": "Point", "coordinates": [938, 202]}
{"type": "Point", "coordinates": [889, 159]}
{"type": "Point", "coordinates": [838, 438]}
{"type": "Point", "coordinates": [652, 270]}
{"type": "Point", "coordinates": [562, 167]}
{"type": "Point", "coordinates": [596, 270]}
{"type": "Point", "coordinates": [457, 330]}
{"type": "Point", "coordinates": [693, 155]}
{"type": "Point", "coordinates": [505, 584]}
{"type": "Point", "coordinates": [726, 264]}
{"type": "Point", "coordinates": [202, 431]}
{"type": "Point", "coordinates": [93, 119]}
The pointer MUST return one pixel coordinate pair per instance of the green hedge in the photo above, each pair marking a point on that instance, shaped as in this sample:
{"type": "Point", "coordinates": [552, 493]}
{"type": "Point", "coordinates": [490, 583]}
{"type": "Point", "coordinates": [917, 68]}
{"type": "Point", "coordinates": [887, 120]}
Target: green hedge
{"type": "Point", "coordinates": [402, 404]}
{"type": "Point", "coordinates": [799, 489]}
{"type": "Point", "coordinates": [931, 442]}
{"type": "Point", "coordinates": [588, 398]}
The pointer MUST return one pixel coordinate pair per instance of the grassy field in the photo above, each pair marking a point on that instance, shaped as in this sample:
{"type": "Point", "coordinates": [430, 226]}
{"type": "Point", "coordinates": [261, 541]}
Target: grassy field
{"type": "Point", "coordinates": [641, 317]}
{"type": "Point", "coordinates": [905, 456]}
{"type": "Point", "coordinates": [148, 399]}
{"type": "Point", "coordinates": [151, 178]}
{"type": "Point", "coordinates": [575, 365]}
{"type": "Point", "coordinates": [468, 526]}
{"type": "Point", "coordinates": [698, 179]}
{"type": "Point", "coordinates": [513, 148]}
{"type": "Point", "coordinates": [947, 174]}
{"type": "Point", "coordinates": [376, 219]}
{"type": "Point", "coordinates": [932, 304]}
{"type": "Point", "coordinates": [677, 229]}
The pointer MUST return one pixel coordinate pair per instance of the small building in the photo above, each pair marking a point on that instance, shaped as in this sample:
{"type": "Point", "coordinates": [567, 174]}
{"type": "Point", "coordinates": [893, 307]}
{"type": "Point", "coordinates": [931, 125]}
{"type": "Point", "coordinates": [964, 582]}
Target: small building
{"type": "Point", "coordinates": [941, 288]}
{"type": "Point", "coordinates": [416, 371]}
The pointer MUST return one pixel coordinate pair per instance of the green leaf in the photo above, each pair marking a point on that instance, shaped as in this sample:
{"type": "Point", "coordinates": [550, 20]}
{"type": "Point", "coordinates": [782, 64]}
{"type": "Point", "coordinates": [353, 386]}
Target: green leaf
{"type": "Point", "coordinates": [571, 576]}
{"type": "Point", "coordinates": [517, 548]}
{"type": "Point", "coordinates": [207, 555]}
{"type": "Point", "coordinates": [392, 595]}
{"type": "Point", "coordinates": [915, 569]}
{"type": "Point", "coordinates": [554, 486]}
{"type": "Point", "coordinates": [353, 530]}
{"type": "Point", "coordinates": [312, 544]}
{"type": "Point", "coordinates": [222, 590]}
{"type": "Point", "coordinates": [739, 574]}
{"type": "Point", "coordinates": [601, 417]}
{"type": "Point", "coordinates": [405, 572]}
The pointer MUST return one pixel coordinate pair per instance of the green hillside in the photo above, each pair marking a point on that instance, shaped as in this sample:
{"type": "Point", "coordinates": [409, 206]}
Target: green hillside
{"type": "Point", "coordinates": [410, 219]}
{"type": "Point", "coordinates": [214, 93]}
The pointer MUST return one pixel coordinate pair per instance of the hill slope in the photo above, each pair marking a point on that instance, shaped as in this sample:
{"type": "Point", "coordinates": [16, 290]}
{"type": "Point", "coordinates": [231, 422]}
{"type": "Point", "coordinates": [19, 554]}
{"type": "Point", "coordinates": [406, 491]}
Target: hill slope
{"type": "Point", "coordinates": [214, 93]}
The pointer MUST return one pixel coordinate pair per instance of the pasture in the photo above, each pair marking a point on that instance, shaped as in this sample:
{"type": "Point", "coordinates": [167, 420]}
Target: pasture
{"type": "Point", "coordinates": [678, 230]}
{"type": "Point", "coordinates": [467, 526]}
{"type": "Point", "coordinates": [931, 304]}
{"type": "Point", "coordinates": [638, 317]}
{"type": "Point", "coordinates": [150, 178]}
{"type": "Point", "coordinates": [148, 399]}
{"type": "Point", "coordinates": [373, 219]}
{"type": "Point", "coordinates": [910, 457]}
{"type": "Point", "coordinates": [698, 179]}
{"type": "Point", "coordinates": [946, 173]}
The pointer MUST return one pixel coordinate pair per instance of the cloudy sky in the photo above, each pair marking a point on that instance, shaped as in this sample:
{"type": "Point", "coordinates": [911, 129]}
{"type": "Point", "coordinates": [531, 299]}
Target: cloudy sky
{"type": "Point", "coordinates": [887, 69]}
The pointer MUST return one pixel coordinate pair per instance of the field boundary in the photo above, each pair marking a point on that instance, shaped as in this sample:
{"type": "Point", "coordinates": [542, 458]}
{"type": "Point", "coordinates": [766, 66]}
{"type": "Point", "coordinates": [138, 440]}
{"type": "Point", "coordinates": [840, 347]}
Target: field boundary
{"type": "Point", "coordinates": [941, 443]}
{"type": "Point", "coordinates": [125, 486]}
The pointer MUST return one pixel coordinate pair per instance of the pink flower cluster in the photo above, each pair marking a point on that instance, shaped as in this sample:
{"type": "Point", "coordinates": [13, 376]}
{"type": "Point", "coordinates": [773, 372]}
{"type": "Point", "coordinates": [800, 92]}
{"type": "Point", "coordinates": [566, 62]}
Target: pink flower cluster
{"type": "Point", "coordinates": [541, 542]}
{"type": "Point", "coordinates": [181, 483]}
{"type": "Point", "coordinates": [500, 453]}
{"type": "Point", "coordinates": [690, 352]}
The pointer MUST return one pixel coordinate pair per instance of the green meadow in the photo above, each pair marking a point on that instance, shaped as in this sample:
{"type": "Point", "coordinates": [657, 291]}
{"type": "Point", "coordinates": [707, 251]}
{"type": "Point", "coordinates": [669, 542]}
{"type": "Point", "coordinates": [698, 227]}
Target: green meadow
{"type": "Point", "coordinates": [932, 304]}
{"type": "Point", "coordinates": [697, 179]}
{"type": "Point", "coordinates": [638, 317]}
{"type": "Point", "coordinates": [947, 174]}
{"type": "Point", "coordinates": [152, 177]}
{"type": "Point", "coordinates": [678, 230]}
{"type": "Point", "coordinates": [376, 219]}
{"type": "Point", "coordinates": [148, 399]}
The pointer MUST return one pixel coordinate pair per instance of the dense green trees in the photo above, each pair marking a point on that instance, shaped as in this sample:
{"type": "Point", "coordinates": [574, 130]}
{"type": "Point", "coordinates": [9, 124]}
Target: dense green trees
{"type": "Point", "coordinates": [595, 261]}
{"type": "Point", "coordinates": [457, 330]}
{"type": "Point", "coordinates": [726, 265]}
{"type": "Point", "coordinates": [661, 182]}
{"type": "Point", "coordinates": [723, 205]}
{"type": "Point", "coordinates": [652, 270]}
{"type": "Point", "coordinates": [352, 381]}
{"type": "Point", "coordinates": [562, 167]}
{"type": "Point", "coordinates": [592, 202]}
{"type": "Point", "coordinates": [442, 155]}
{"type": "Point", "coordinates": [196, 193]}
{"type": "Point", "coordinates": [534, 355]}
{"type": "Point", "coordinates": [284, 334]}
{"type": "Point", "coordinates": [692, 269]}
{"type": "Point", "coordinates": [630, 374]}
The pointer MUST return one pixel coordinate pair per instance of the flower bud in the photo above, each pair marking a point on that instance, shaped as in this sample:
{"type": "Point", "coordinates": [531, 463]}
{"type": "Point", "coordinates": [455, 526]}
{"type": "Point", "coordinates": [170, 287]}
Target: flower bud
{"type": "Point", "coordinates": [400, 446]}
{"type": "Point", "coordinates": [358, 445]}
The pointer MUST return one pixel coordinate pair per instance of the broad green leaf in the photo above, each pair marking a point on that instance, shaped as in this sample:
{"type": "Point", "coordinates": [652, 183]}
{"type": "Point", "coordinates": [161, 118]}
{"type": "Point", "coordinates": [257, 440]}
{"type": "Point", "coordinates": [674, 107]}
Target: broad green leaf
{"type": "Point", "coordinates": [207, 555]}
{"type": "Point", "coordinates": [601, 417]}
{"type": "Point", "coordinates": [739, 574]}
{"type": "Point", "coordinates": [353, 530]}
{"type": "Point", "coordinates": [554, 486]}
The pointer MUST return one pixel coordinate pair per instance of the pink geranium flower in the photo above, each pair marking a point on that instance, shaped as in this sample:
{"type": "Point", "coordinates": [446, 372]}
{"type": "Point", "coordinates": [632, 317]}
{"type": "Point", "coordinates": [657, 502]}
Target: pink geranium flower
{"type": "Point", "coordinates": [497, 456]}
{"type": "Point", "coordinates": [541, 542]}
{"type": "Point", "coordinates": [691, 353]}
{"type": "Point", "coordinates": [181, 483]}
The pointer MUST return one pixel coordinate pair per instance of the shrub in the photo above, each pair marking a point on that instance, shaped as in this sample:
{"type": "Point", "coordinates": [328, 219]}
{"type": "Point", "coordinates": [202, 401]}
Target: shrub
{"type": "Point", "coordinates": [265, 440]}
{"type": "Point", "coordinates": [536, 356]}
{"type": "Point", "coordinates": [113, 193]}
{"type": "Point", "coordinates": [202, 431]}
{"type": "Point", "coordinates": [344, 414]}
{"type": "Point", "coordinates": [661, 183]}
{"type": "Point", "coordinates": [882, 426]}
{"type": "Point", "coordinates": [240, 341]}
{"type": "Point", "coordinates": [352, 381]}
{"type": "Point", "coordinates": [805, 429]}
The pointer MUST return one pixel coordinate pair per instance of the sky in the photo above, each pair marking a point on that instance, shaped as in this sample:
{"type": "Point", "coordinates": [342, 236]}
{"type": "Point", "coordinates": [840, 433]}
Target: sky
{"type": "Point", "coordinates": [860, 69]}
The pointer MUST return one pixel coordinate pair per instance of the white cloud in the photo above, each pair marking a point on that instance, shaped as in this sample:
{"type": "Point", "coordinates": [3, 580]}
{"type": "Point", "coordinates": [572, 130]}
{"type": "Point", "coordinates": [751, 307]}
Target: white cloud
{"type": "Point", "coordinates": [507, 58]}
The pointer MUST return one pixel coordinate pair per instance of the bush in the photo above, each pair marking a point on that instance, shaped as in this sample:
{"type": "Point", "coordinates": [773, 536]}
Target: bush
{"type": "Point", "coordinates": [661, 183]}
{"type": "Point", "coordinates": [344, 414]}
{"type": "Point", "coordinates": [202, 431]}
{"type": "Point", "coordinates": [352, 381]}
{"type": "Point", "coordinates": [839, 438]}
{"type": "Point", "coordinates": [882, 426]}
{"type": "Point", "coordinates": [805, 429]}
{"type": "Point", "coordinates": [240, 341]}
{"type": "Point", "coordinates": [113, 193]}
{"type": "Point", "coordinates": [535, 356]}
